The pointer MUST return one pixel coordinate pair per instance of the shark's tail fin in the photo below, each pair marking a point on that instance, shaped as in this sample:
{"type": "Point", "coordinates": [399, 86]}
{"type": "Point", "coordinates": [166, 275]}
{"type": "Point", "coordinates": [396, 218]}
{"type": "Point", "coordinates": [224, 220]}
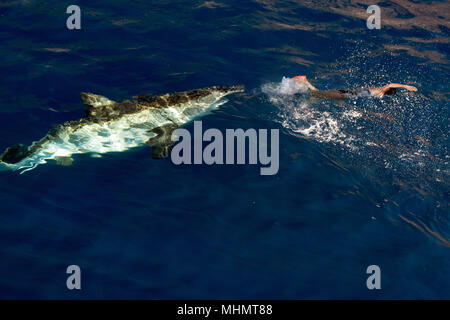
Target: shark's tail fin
{"type": "Point", "coordinates": [14, 154]}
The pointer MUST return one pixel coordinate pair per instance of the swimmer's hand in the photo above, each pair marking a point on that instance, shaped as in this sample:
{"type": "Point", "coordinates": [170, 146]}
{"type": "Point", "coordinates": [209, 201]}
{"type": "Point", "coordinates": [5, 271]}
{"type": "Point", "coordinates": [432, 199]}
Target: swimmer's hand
{"type": "Point", "coordinates": [410, 88]}
{"type": "Point", "coordinates": [380, 92]}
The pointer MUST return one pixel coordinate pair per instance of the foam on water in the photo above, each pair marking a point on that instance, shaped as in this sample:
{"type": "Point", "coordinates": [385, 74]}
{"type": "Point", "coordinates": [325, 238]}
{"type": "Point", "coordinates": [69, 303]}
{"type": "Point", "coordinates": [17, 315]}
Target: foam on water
{"type": "Point", "coordinates": [297, 114]}
{"type": "Point", "coordinates": [287, 86]}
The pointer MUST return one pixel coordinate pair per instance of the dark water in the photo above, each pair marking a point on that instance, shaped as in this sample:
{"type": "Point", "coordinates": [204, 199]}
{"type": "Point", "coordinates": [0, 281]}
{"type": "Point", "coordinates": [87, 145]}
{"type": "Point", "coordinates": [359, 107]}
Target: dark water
{"type": "Point", "coordinates": [361, 183]}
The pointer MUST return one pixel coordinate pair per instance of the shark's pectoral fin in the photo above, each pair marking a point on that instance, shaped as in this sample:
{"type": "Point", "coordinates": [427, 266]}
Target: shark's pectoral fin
{"type": "Point", "coordinates": [64, 161]}
{"type": "Point", "coordinates": [161, 152]}
{"type": "Point", "coordinates": [161, 143]}
{"type": "Point", "coordinates": [95, 100]}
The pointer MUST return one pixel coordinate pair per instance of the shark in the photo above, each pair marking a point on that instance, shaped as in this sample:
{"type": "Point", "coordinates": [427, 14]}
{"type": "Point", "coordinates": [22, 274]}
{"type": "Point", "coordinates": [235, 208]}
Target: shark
{"type": "Point", "coordinates": [110, 126]}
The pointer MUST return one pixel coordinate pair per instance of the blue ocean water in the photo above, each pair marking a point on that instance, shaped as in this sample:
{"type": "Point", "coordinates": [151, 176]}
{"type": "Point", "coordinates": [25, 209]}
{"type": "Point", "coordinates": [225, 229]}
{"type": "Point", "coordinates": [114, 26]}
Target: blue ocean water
{"type": "Point", "coordinates": [362, 182]}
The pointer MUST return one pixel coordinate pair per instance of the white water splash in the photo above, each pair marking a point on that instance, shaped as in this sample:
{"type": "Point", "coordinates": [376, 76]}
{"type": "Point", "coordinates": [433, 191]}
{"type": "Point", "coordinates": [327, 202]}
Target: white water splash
{"type": "Point", "coordinates": [287, 86]}
{"type": "Point", "coordinates": [299, 115]}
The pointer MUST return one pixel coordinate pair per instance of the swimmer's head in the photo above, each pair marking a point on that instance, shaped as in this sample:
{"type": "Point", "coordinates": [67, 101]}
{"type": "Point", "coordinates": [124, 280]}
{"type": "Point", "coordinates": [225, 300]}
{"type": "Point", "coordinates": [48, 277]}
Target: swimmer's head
{"type": "Point", "coordinates": [390, 92]}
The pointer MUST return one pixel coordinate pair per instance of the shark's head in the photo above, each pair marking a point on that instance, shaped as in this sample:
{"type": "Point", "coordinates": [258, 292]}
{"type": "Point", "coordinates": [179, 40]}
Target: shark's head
{"type": "Point", "coordinates": [200, 101]}
{"type": "Point", "coordinates": [221, 91]}
{"type": "Point", "coordinates": [215, 92]}
{"type": "Point", "coordinates": [228, 90]}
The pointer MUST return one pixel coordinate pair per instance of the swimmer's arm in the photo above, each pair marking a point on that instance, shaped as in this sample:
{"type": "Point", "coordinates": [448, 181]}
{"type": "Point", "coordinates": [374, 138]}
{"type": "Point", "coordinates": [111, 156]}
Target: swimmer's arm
{"type": "Point", "coordinates": [311, 87]}
{"type": "Point", "coordinates": [379, 92]}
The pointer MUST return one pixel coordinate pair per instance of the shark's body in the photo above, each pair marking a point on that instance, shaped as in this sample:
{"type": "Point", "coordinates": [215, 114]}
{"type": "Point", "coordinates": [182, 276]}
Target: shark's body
{"type": "Point", "coordinates": [110, 126]}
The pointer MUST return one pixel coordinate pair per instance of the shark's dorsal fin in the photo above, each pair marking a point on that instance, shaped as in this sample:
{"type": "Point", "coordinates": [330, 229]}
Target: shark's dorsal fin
{"type": "Point", "coordinates": [95, 100]}
{"type": "Point", "coordinates": [162, 142]}
{"type": "Point", "coordinates": [143, 97]}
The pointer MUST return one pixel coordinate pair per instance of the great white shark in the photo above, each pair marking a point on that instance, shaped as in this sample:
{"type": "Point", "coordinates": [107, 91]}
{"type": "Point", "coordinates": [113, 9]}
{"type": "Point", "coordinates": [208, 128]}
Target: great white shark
{"type": "Point", "coordinates": [110, 126]}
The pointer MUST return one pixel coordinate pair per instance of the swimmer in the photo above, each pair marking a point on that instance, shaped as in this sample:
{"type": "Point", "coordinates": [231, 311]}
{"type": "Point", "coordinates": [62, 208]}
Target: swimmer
{"type": "Point", "coordinates": [389, 89]}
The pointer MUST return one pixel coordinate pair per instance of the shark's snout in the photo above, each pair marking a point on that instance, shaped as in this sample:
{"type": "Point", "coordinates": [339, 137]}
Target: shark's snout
{"type": "Point", "coordinates": [239, 88]}
{"type": "Point", "coordinates": [227, 89]}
